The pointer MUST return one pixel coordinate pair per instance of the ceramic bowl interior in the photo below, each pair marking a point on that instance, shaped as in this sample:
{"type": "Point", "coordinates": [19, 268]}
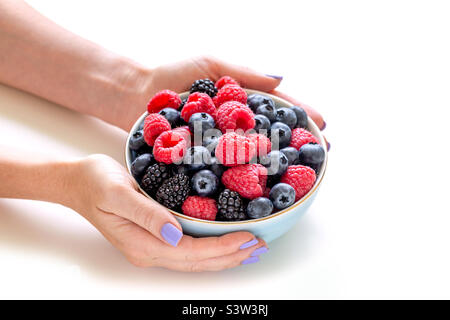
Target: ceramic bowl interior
{"type": "Point", "coordinates": [312, 127]}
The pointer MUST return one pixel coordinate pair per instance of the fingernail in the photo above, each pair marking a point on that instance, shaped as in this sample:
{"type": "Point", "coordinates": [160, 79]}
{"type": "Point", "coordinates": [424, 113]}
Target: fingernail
{"type": "Point", "coordinates": [324, 126]}
{"type": "Point", "coordinates": [248, 244]}
{"type": "Point", "coordinates": [250, 260]}
{"type": "Point", "coordinates": [275, 77]}
{"type": "Point", "coordinates": [171, 234]}
{"type": "Point", "coordinates": [328, 146]}
{"type": "Point", "coordinates": [259, 251]}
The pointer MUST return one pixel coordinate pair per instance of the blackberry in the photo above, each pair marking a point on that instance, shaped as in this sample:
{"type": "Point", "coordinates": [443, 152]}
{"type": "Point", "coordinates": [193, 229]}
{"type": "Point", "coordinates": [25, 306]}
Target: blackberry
{"type": "Point", "coordinates": [231, 206]}
{"type": "Point", "coordinates": [154, 177]}
{"type": "Point", "coordinates": [205, 86]}
{"type": "Point", "coordinates": [174, 191]}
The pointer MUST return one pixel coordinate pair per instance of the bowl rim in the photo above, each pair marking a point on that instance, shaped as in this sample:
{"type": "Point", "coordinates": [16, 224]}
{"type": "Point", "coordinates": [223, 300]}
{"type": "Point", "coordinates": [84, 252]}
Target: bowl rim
{"type": "Point", "coordinates": [311, 124]}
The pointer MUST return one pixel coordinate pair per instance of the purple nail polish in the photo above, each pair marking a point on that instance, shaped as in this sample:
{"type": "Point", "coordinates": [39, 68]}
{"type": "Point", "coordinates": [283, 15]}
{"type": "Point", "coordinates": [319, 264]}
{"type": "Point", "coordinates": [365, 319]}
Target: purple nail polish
{"type": "Point", "coordinates": [250, 260]}
{"type": "Point", "coordinates": [259, 251]}
{"type": "Point", "coordinates": [248, 244]}
{"type": "Point", "coordinates": [328, 146]}
{"type": "Point", "coordinates": [171, 234]}
{"type": "Point", "coordinates": [275, 77]}
{"type": "Point", "coordinates": [324, 126]}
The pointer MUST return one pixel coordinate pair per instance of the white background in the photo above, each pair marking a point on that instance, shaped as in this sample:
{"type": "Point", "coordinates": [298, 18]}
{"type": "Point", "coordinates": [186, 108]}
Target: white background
{"type": "Point", "coordinates": [379, 72]}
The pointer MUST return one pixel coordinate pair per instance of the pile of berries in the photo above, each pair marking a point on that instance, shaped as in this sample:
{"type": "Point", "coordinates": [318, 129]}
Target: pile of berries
{"type": "Point", "coordinates": [222, 155]}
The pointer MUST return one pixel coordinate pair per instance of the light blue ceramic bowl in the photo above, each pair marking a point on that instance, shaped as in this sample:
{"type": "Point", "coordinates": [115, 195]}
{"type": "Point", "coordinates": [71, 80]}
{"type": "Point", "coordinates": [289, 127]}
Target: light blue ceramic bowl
{"type": "Point", "coordinates": [268, 228]}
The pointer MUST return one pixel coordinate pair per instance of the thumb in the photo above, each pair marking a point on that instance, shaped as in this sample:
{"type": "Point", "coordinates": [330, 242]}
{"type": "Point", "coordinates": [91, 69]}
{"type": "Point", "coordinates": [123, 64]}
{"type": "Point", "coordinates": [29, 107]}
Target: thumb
{"type": "Point", "coordinates": [150, 215]}
{"type": "Point", "coordinates": [249, 78]}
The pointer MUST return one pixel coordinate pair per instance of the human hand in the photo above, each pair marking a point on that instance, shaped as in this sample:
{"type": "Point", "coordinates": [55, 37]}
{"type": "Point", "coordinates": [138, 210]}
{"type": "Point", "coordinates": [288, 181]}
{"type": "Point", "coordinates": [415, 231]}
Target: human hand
{"type": "Point", "coordinates": [180, 75]}
{"type": "Point", "coordinates": [143, 230]}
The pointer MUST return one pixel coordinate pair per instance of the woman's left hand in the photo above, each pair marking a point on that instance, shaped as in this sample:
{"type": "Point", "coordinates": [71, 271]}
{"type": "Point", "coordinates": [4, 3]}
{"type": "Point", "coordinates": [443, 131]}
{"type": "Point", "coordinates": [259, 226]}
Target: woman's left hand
{"type": "Point", "coordinates": [179, 76]}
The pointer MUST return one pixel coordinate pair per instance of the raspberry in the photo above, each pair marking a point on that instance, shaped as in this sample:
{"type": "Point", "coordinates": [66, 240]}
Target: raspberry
{"type": "Point", "coordinates": [234, 149]}
{"type": "Point", "coordinates": [200, 207]}
{"type": "Point", "coordinates": [300, 137]}
{"type": "Point", "coordinates": [230, 93]}
{"type": "Point", "coordinates": [262, 143]}
{"type": "Point", "coordinates": [226, 80]}
{"type": "Point", "coordinates": [164, 99]}
{"type": "Point", "coordinates": [154, 125]}
{"type": "Point", "coordinates": [184, 131]}
{"type": "Point", "coordinates": [198, 102]}
{"type": "Point", "coordinates": [234, 115]}
{"type": "Point", "coordinates": [169, 147]}
{"type": "Point", "coordinates": [301, 178]}
{"type": "Point", "coordinates": [249, 180]}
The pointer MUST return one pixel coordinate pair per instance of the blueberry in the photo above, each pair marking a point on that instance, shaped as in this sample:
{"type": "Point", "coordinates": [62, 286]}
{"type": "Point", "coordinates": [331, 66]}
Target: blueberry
{"type": "Point", "coordinates": [172, 115]}
{"type": "Point", "coordinates": [292, 155]}
{"type": "Point", "coordinates": [268, 111]}
{"type": "Point", "coordinates": [255, 100]}
{"type": "Point", "coordinates": [280, 135]}
{"type": "Point", "coordinates": [262, 123]}
{"type": "Point", "coordinates": [205, 183]}
{"type": "Point", "coordinates": [210, 143]}
{"type": "Point", "coordinates": [200, 122]}
{"type": "Point", "coordinates": [137, 140]}
{"type": "Point", "coordinates": [276, 162]}
{"type": "Point", "coordinates": [282, 195]}
{"type": "Point", "coordinates": [287, 116]}
{"type": "Point", "coordinates": [217, 168]}
{"type": "Point", "coordinates": [140, 164]}
{"type": "Point", "coordinates": [259, 208]}
{"type": "Point", "coordinates": [210, 140]}
{"type": "Point", "coordinates": [197, 158]}
{"type": "Point", "coordinates": [311, 154]}
{"type": "Point", "coordinates": [302, 117]}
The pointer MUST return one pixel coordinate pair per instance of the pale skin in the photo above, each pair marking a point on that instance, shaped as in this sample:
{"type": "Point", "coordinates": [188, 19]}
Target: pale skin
{"type": "Point", "coordinates": [40, 57]}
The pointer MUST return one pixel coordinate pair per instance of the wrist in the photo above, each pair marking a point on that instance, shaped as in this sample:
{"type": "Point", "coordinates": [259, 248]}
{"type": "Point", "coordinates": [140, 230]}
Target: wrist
{"type": "Point", "coordinates": [66, 177]}
{"type": "Point", "coordinates": [130, 89]}
{"type": "Point", "coordinates": [35, 176]}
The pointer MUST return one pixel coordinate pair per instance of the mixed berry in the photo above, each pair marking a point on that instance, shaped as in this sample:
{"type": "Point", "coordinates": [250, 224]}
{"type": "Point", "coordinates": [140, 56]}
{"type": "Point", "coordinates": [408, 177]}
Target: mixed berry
{"type": "Point", "coordinates": [222, 155]}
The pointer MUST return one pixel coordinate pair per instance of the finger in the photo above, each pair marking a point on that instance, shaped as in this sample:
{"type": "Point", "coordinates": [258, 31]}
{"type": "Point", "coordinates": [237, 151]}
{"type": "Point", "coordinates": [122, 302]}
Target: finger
{"type": "Point", "coordinates": [327, 143]}
{"type": "Point", "coordinates": [193, 249]}
{"type": "Point", "coordinates": [313, 114]}
{"type": "Point", "coordinates": [248, 78]}
{"type": "Point", "coordinates": [148, 214]}
{"type": "Point", "coordinates": [245, 256]}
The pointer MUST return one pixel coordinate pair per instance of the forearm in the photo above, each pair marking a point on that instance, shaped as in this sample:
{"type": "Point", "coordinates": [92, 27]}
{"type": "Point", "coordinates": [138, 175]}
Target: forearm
{"type": "Point", "coordinates": [38, 56]}
{"type": "Point", "coordinates": [25, 175]}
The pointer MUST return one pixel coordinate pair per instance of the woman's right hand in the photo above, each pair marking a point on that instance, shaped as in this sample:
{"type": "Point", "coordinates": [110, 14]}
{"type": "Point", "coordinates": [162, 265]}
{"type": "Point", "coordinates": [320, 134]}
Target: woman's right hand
{"type": "Point", "coordinates": [143, 230]}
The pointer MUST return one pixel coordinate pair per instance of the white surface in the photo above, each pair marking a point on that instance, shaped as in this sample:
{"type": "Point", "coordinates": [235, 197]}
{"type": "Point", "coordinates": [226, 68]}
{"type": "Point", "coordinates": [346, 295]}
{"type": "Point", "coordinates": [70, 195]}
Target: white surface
{"type": "Point", "coordinates": [379, 228]}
